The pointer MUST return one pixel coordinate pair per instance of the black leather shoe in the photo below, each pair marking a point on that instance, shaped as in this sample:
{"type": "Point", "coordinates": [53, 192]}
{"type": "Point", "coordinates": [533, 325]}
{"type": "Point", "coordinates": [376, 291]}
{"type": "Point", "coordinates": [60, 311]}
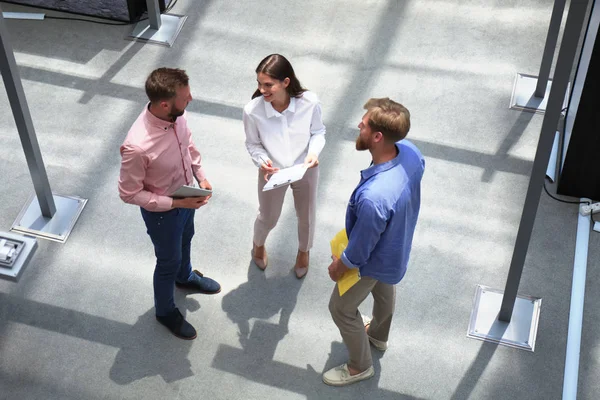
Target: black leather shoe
{"type": "Point", "coordinates": [178, 325]}
{"type": "Point", "coordinates": [200, 284]}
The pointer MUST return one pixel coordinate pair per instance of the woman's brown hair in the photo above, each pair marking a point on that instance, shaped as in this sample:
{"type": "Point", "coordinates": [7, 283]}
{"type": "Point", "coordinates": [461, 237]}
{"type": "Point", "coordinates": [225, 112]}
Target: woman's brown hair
{"type": "Point", "coordinates": [278, 67]}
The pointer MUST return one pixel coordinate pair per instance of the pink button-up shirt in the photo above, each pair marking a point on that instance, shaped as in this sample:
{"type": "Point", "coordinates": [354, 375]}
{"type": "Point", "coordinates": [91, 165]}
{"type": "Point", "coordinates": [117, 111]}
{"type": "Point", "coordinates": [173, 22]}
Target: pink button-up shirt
{"type": "Point", "coordinates": [158, 157]}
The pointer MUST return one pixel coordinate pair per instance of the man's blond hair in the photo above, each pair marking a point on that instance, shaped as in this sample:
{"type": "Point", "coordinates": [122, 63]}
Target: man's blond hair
{"type": "Point", "coordinates": [388, 117]}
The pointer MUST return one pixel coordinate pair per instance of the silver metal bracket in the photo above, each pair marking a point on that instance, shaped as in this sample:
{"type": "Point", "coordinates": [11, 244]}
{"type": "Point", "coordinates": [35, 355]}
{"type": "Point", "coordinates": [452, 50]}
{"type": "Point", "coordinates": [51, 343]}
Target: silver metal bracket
{"type": "Point", "coordinates": [25, 247]}
{"type": "Point", "coordinates": [23, 15]}
{"type": "Point", "coordinates": [10, 249]}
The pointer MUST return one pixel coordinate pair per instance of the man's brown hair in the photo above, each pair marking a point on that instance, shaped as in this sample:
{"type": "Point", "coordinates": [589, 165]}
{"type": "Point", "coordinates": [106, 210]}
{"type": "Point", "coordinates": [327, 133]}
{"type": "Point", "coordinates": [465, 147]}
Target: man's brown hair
{"type": "Point", "coordinates": [162, 84]}
{"type": "Point", "coordinates": [388, 117]}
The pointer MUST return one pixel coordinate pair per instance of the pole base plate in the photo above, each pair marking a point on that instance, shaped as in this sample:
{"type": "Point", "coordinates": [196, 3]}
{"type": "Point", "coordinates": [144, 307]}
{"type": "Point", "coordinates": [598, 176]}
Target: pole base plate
{"type": "Point", "coordinates": [30, 220]}
{"type": "Point", "coordinates": [170, 27]}
{"type": "Point", "coordinates": [519, 333]}
{"type": "Point", "coordinates": [523, 95]}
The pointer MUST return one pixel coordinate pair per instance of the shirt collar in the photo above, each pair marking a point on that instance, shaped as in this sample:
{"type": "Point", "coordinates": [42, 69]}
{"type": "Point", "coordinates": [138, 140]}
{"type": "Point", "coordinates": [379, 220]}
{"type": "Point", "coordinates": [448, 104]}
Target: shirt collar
{"type": "Point", "coordinates": [157, 122]}
{"type": "Point", "coordinates": [375, 169]}
{"type": "Point", "coordinates": [271, 112]}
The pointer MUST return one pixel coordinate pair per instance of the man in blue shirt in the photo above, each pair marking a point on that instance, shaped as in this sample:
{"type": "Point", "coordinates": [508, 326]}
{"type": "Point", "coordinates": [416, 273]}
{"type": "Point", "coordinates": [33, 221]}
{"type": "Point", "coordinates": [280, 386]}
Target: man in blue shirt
{"type": "Point", "coordinates": [380, 223]}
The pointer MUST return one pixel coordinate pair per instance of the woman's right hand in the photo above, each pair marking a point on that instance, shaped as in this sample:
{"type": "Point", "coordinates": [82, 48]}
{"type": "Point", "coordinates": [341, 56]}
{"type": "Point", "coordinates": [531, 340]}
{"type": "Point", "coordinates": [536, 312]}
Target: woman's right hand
{"type": "Point", "coordinates": [268, 169]}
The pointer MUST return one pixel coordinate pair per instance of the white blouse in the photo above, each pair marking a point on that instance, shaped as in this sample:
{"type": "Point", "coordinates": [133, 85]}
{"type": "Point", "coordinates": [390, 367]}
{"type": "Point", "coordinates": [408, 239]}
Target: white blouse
{"type": "Point", "coordinates": [285, 138]}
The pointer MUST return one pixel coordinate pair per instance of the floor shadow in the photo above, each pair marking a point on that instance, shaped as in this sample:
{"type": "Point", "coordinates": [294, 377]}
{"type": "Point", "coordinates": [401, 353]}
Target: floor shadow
{"type": "Point", "coordinates": [490, 163]}
{"type": "Point", "coordinates": [104, 87]}
{"type": "Point", "coordinates": [261, 299]}
{"type": "Point", "coordinates": [365, 70]}
{"type": "Point", "coordinates": [145, 348]}
{"type": "Point", "coordinates": [305, 381]}
{"type": "Point", "coordinates": [370, 388]}
{"type": "Point", "coordinates": [88, 45]}
{"type": "Point", "coordinates": [502, 156]}
{"type": "Point", "coordinates": [475, 371]}
{"type": "Point", "coordinates": [148, 353]}
{"type": "Point", "coordinates": [99, 83]}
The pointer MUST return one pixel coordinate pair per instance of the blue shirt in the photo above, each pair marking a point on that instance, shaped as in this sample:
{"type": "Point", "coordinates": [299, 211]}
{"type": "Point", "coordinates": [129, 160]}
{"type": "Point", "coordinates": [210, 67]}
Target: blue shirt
{"type": "Point", "coordinates": [382, 215]}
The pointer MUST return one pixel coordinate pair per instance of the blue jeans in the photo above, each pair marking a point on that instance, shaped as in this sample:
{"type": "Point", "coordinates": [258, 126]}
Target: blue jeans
{"type": "Point", "coordinates": [171, 233]}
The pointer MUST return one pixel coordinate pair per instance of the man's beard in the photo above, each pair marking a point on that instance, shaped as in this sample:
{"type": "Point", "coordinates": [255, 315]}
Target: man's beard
{"type": "Point", "coordinates": [175, 113]}
{"type": "Point", "coordinates": [362, 144]}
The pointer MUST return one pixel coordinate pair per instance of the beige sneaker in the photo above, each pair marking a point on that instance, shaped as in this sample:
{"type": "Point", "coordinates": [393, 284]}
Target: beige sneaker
{"type": "Point", "coordinates": [340, 376]}
{"type": "Point", "coordinates": [378, 344]}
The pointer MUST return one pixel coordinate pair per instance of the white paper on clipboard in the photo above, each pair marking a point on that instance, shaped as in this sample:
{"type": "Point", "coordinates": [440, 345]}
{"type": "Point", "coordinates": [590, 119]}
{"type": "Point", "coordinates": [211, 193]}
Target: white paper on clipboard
{"type": "Point", "coordinates": [285, 177]}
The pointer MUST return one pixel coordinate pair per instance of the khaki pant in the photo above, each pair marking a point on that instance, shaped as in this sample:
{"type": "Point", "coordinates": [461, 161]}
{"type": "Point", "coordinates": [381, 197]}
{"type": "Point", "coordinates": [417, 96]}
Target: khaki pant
{"type": "Point", "coordinates": [271, 202]}
{"type": "Point", "coordinates": [345, 314]}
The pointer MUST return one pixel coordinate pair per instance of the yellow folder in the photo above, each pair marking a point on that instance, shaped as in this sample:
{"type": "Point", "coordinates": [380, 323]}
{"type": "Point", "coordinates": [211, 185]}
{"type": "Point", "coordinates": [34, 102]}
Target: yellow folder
{"type": "Point", "coordinates": [350, 277]}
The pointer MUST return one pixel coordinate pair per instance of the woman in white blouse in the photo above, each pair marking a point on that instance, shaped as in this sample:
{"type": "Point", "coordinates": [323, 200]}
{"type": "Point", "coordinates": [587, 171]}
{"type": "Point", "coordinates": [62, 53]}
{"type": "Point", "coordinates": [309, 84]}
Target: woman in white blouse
{"type": "Point", "coordinates": [284, 128]}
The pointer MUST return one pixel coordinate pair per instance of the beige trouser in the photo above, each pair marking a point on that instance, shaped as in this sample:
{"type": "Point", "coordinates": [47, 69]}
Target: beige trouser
{"type": "Point", "coordinates": [345, 314]}
{"type": "Point", "coordinates": [271, 202]}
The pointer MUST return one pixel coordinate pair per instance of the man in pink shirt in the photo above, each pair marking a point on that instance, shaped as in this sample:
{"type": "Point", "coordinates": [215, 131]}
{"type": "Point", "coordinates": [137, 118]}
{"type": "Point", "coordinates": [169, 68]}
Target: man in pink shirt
{"type": "Point", "coordinates": [158, 157]}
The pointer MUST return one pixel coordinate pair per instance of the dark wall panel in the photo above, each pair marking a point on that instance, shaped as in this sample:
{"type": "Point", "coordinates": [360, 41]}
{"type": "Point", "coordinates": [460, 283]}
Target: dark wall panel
{"type": "Point", "coordinates": [580, 176]}
{"type": "Point", "coordinates": [121, 10]}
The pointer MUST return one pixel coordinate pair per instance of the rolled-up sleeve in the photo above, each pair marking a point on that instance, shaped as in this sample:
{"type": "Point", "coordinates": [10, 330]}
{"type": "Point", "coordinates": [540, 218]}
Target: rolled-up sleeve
{"type": "Point", "coordinates": [131, 181]}
{"type": "Point", "coordinates": [317, 131]}
{"type": "Point", "coordinates": [365, 234]}
{"type": "Point", "coordinates": [253, 143]}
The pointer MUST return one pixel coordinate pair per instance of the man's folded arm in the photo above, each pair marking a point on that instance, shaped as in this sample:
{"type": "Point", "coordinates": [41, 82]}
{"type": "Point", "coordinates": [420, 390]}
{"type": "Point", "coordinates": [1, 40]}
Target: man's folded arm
{"type": "Point", "coordinates": [365, 234]}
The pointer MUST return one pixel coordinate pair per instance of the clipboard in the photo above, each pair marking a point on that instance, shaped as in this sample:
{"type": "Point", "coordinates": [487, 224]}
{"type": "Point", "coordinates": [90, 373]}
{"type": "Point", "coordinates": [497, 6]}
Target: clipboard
{"type": "Point", "coordinates": [190, 191]}
{"type": "Point", "coordinates": [285, 177]}
{"type": "Point", "coordinates": [350, 277]}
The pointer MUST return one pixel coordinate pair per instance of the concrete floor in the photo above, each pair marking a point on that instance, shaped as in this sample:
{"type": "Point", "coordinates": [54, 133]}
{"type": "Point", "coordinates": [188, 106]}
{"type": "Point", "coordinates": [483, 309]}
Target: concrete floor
{"type": "Point", "coordinates": [79, 324]}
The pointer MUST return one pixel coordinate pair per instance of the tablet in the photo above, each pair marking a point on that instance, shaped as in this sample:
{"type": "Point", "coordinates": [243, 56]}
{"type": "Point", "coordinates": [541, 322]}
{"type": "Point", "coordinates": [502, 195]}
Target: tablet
{"type": "Point", "coordinates": [191, 191]}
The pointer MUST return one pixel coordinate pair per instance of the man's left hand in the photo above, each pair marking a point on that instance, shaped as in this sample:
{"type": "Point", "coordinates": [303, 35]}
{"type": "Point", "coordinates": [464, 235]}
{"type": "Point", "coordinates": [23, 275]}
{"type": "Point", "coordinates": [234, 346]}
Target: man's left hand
{"type": "Point", "coordinates": [336, 269]}
{"type": "Point", "coordinates": [205, 184]}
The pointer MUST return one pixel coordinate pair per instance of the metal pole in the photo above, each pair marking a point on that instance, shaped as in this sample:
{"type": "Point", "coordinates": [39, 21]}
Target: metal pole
{"type": "Point", "coordinates": [566, 57]}
{"type": "Point", "coordinates": [20, 109]}
{"type": "Point", "coordinates": [153, 14]}
{"type": "Point", "coordinates": [553, 30]}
